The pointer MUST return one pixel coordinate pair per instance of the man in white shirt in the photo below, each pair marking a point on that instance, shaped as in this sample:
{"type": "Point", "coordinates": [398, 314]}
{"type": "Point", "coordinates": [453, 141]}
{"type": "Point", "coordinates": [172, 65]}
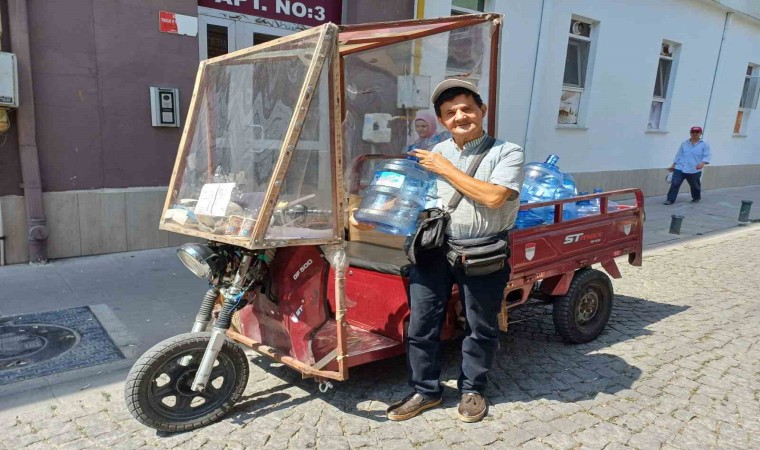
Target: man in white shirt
{"type": "Point", "coordinates": [692, 156]}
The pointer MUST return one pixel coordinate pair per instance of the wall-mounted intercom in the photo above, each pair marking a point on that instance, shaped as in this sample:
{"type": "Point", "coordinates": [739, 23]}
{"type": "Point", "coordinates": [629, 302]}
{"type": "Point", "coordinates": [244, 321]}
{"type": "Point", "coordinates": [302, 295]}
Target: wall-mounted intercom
{"type": "Point", "coordinates": [164, 107]}
{"type": "Point", "coordinates": [8, 81]}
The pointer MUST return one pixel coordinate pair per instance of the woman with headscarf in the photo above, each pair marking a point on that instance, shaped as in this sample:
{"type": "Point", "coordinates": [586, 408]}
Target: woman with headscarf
{"type": "Point", "coordinates": [425, 125]}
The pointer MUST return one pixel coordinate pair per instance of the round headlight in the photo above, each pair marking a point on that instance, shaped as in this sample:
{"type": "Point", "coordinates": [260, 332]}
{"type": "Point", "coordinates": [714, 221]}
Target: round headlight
{"type": "Point", "coordinates": [196, 257]}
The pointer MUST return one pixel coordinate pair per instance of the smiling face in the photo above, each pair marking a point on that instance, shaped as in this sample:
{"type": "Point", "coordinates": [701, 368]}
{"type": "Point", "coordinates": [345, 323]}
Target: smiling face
{"type": "Point", "coordinates": [463, 118]}
{"type": "Point", "coordinates": [421, 127]}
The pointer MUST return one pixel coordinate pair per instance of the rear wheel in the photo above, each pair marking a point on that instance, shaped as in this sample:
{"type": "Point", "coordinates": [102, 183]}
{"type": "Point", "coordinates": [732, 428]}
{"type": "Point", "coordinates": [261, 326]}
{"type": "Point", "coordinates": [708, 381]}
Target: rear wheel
{"type": "Point", "coordinates": [158, 388]}
{"type": "Point", "coordinates": [581, 314]}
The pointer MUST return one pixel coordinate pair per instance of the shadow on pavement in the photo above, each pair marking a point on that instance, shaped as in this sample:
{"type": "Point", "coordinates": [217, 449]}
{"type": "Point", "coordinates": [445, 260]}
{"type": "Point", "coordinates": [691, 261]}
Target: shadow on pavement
{"type": "Point", "coordinates": [533, 363]}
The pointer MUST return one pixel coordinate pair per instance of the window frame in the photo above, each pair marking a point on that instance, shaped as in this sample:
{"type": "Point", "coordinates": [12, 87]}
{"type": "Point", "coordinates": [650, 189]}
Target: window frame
{"type": "Point", "coordinates": [458, 10]}
{"type": "Point", "coordinates": [753, 71]}
{"type": "Point", "coordinates": [586, 75]}
{"type": "Point", "coordinates": [669, 86]}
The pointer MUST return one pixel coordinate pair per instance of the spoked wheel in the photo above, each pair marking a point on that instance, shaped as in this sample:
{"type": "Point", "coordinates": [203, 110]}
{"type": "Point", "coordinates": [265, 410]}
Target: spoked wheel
{"type": "Point", "coordinates": [158, 389]}
{"type": "Point", "coordinates": [581, 314]}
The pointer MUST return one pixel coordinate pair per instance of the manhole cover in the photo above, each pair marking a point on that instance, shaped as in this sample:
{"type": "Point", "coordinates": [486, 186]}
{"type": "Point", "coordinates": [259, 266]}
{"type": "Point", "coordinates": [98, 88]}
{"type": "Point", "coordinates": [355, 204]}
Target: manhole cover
{"type": "Point", "coordinates": [26, 345]}
{"type": "Point", "coordinates": [42, 344]}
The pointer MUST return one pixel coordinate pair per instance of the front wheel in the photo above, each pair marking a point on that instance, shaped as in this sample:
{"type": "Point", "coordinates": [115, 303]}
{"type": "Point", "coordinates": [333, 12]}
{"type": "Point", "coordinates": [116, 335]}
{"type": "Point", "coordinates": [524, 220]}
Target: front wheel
{"type": "Point", "coordinates": [581, 314]}
{"type": "Point", "coordinates": [158, 388]}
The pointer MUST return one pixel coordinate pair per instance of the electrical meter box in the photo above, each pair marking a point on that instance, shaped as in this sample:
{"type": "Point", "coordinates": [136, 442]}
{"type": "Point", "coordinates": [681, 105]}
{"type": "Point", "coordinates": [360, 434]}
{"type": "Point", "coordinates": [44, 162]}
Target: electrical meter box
{"type": "Point", "coordinates": [8, 81]}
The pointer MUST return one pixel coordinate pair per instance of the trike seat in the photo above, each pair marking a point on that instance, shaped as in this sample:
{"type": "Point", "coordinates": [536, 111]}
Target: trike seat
{"type": "Point", "coordinates": [377, 258]}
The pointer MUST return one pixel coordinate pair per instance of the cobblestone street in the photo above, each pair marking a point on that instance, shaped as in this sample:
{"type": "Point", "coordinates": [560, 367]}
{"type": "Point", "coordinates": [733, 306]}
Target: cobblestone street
{"type": "Point", "coordinates": [677, 367]}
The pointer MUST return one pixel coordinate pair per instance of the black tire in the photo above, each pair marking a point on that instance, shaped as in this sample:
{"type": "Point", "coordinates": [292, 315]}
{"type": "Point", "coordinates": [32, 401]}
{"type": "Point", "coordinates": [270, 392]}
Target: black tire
{"type": "Point", "coordinates": [163, 374]}
{"type": "Point", "coordinates": [581, 314]}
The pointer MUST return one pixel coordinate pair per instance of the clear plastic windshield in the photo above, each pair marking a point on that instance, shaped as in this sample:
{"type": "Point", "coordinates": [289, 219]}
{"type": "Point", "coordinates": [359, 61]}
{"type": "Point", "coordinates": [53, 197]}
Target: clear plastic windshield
{"type": "Point", "coordinates": [244, 106]}
{"type": "Point", "coordinates": [305, 206]}
{"type": "Point", "coordinates": [387, 95]}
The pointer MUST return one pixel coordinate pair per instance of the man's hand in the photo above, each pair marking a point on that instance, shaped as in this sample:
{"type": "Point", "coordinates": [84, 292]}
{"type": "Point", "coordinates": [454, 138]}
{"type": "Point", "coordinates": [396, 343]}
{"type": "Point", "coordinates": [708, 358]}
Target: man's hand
{"type": "Point", "coordinates": [434, 162]}
{"type": "Point", "coordinates": [672, 168]}
{"type": "Point", "coordinates": [358, 225]}
{"type": "Point", "coordinates": [700, 166]}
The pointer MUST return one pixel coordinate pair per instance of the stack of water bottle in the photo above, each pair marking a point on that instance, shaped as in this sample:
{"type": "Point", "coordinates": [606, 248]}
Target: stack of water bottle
{"type": "Point", "coordinates": [400, 187]}
{"type": "Point", "coordinates": [545, 182]}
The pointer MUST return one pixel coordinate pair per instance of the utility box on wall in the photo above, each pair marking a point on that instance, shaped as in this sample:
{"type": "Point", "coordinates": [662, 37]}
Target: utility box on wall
{"type": "Point", "coordinates": [164, 107]}
{"type": "Point", "coordinates": [8, 81]}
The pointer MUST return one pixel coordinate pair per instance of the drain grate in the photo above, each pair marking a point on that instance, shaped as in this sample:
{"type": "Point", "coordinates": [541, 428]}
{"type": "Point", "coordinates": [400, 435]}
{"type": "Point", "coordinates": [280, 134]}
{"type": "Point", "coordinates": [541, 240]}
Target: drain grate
{"type": "Point", "coordinates": [42, 344]}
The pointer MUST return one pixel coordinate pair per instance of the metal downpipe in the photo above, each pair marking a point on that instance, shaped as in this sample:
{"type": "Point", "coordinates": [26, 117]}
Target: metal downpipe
{"type": "Point", "coordinates": [37, 230]}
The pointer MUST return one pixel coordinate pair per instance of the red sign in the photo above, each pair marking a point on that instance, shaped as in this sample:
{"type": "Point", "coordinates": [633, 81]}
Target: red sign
{"type": "Point", "coordinates": [304, 12]}
{"type": "Point", "coordinates": [167, 22]}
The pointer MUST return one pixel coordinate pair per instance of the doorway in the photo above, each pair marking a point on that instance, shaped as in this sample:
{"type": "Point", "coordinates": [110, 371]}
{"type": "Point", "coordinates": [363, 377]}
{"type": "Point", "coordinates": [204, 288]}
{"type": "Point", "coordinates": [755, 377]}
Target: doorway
{"type": "Point", "coordinates": [219, 36]}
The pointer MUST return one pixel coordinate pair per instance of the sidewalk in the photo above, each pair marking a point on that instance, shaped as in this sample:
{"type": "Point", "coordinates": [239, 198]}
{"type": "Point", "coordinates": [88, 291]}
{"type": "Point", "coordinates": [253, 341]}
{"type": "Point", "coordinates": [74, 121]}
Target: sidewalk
{"type": "Point", "coordinates": [151, 296]}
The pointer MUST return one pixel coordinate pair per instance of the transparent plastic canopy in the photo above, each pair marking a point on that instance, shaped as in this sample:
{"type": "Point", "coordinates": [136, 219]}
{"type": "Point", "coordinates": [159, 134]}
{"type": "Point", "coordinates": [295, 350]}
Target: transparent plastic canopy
{"type": "Point", "coordinates": [270, 128]}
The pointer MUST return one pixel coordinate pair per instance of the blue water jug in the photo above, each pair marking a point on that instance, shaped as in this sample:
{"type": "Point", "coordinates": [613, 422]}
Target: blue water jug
{"type": "Point", "coordinates": [569, 210]}
{"type": "Point", "coordinates": [568, 184]}
{"type": "Point", "coordinates": [587, 208]}
{"type": "Point", "coordinates": [526, 219]}
{"type": "Point", "coordinates": [395, 197]}
{"type": "Point", "coordinates": [611, 206]}
{"type": "Point", "coordinates": [541, 183]}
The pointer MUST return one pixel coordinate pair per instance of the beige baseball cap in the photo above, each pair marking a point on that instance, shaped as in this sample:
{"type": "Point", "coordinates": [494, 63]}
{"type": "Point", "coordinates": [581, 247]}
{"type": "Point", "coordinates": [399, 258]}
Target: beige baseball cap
{"type": "Point", "coordinates": [451, 83]}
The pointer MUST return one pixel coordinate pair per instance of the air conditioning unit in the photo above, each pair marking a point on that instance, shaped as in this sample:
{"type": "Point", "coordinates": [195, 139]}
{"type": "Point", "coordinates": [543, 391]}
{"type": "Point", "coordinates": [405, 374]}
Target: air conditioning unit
{"type": "Point", "coordinates": [8, 81]}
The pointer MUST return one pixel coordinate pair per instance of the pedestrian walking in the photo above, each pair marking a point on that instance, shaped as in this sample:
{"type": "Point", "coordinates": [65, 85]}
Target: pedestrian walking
{"type": "Point", "coordinates": [692, 156]}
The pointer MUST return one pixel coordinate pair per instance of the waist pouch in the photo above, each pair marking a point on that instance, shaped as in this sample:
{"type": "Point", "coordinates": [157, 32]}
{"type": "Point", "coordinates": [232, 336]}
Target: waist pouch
{"type": "Point", "coordinates": [431, 233]}
{"type": "Point", "coordinates": [479, 256]}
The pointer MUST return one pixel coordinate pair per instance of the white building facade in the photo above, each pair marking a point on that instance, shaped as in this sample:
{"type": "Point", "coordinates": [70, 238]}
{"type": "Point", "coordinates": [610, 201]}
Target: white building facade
{"type": "Point", "coordinates": [613, 87]}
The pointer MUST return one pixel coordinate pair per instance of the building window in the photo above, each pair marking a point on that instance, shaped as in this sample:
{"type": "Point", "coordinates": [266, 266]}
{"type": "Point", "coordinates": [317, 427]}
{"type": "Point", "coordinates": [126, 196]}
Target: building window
{"type": "Point", "coordinates": [217, 40]}
{"type": "Point", "coordinates": [663, 86]}
{"type": "Point", "coordinates": [459, 7]}
{"type": "Point", "coordinates": [575, 80]}
{"type": "Point", "coordinates": [462, 61]}
{"type": "Point", "coordinates": [748, 101]}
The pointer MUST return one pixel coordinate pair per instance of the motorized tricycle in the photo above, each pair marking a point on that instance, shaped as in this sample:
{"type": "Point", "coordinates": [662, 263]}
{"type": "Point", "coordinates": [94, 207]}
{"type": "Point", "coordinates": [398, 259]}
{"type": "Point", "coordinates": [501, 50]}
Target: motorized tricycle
{"type": "Point", "coordinates": [260, 180]}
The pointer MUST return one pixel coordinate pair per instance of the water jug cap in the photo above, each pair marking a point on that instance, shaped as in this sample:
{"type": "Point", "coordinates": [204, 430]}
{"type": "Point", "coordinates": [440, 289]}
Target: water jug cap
{"type": "Point", "coordinates": [598, 190]}
{"type": "Point", "coordinates": [552, 159]}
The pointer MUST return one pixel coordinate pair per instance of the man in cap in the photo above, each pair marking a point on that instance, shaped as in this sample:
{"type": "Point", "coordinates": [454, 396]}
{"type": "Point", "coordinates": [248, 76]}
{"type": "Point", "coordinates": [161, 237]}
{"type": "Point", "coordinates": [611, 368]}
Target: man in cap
{"type": "Point", "coordinates": [692, 156]}
{"type": "Point", "coordinates": [489, 207]}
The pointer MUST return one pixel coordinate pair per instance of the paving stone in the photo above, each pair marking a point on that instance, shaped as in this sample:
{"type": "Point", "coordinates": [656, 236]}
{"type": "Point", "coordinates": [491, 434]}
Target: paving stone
{"type": "Point", "coordinates": [358, 441]}
{"type": "Point", "coordinates": [671, 371]}
{"type": "Point", "coordinates": [535, 444]}
{"type": "Point", "coordinates": [560, 441]}
{"type": "Point", "coordinates": [21, 441]}
{"type": "Point", "coordinates": [516, 437]}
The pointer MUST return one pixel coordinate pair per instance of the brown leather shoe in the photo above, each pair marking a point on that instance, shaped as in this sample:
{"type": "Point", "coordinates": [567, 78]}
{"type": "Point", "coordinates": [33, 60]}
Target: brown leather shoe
{"type": "Point", "coordinates": [410, 406]}
{"type": "Point", "coordinates": [472, 408]}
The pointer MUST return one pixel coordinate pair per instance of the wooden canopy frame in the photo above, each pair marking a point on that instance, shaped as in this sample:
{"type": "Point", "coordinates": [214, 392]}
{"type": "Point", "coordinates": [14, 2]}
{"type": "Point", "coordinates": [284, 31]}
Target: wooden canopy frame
{"type": "Point", "coordinates": [333, 43]}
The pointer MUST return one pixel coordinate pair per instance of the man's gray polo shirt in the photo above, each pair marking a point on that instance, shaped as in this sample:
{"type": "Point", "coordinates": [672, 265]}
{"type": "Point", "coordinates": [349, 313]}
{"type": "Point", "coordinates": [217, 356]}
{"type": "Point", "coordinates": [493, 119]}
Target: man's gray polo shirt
{"type": "Point", "coordinates": [503, 165]}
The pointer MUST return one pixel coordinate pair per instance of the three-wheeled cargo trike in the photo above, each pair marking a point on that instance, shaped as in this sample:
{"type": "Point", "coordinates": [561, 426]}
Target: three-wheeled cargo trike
{"type": "Point", "coordinates": [279, 143]}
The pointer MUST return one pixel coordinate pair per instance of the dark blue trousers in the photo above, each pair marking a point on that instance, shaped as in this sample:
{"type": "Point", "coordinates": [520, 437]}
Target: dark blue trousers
{"type": "Point", "coordinates": [694, 180]}
{"type": "Point", "coordinates": [430, 283]}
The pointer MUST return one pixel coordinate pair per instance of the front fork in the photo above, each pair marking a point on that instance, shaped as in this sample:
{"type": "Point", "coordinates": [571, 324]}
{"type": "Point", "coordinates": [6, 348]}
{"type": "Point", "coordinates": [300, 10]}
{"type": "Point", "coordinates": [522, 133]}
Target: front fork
{"type": "Point", "coordinates": [232, 296]}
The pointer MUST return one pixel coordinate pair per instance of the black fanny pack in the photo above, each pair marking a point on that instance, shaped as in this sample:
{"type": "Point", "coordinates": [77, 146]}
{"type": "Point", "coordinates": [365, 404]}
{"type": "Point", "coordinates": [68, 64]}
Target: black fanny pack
{"type": "Point", "coordinates": [479, 256]}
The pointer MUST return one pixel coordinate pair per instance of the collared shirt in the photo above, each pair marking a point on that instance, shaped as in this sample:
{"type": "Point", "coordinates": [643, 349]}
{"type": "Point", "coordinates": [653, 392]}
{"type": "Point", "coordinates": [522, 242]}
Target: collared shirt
{"type": "Point", "coordinates": [689, 155]}
{"type": "Point", "coordinates": [503, 165]}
